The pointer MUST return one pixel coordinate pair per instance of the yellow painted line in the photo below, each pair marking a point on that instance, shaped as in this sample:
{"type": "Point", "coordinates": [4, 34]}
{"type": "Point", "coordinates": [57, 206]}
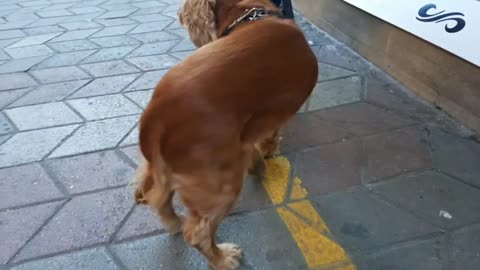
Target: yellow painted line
{"type": "Point", "coordinates": [317, 247]}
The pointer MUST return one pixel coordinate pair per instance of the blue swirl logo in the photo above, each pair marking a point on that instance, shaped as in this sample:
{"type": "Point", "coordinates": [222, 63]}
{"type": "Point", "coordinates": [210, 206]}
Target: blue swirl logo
{"type": "Point", "coordinates": [441, 16]}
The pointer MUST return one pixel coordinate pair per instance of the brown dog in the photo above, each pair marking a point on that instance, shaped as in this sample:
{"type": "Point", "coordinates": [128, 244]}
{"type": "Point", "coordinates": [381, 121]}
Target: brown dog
{"type": "Point", "coordinates": [211, 114]}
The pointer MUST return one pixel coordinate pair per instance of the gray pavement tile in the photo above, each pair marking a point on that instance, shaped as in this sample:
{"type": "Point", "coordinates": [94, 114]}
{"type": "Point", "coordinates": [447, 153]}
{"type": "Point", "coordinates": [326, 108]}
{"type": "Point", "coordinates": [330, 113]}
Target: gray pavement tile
{"type": "Point", "coordinates": [428, 193]}
{"type": "Point", "coordinates": [83, 260]}
{"type": "Point", "coordinates": [54, 13]}
{"type": "Point", "coordinates": [329, 72]}
{"type": "Point", "coordinates": [32, 146]}
{"type": "Point", "coordinates": [43, 30]}
{"type": "Point", "coordinates": [59, 74]}
{"type": "Point", "coordinates": [95, 136]}
{"type": "Point", "coordinates": [184, 45]}
{"type": "Point", "coordinates": [121, 13]}
{"type": "Point", "coordinates": [80, 25]}
{"type": "Point", "coordinates": [106, 85]}
{"type": "Point", "coordinates": [34, 3]}
{"type": "Point", "coordinates": [182, 55]}
{"type": "Point", "coordinates": [153, 48]}
{"type": "Point", "coordinates": [82, 17]}
{"type": "Point", "coordinates": [172, 7]}
{"type": "Point", "coordinates": [42, 116]}
{"type": "Point", "coordinates": [181, 32]}
{"type": "Point", "coordinates": [465, 248]}
{"type": "Point", "coordinates": [114, 5]}
{"type": "Point", "coordinates": [334, 93]}
{"type": "Point", "coordinates": [151, 18]}
{"type": "Point", "coordinates": [133, 153]}
{"type": "Point", "coordinates": [6, 42]}
{"type": "Point", "coordinates": [147, 81]}
{"type": "Point", "coordinates": [150, 27]}
{"type": "Point", "coordinates": [64, 59]}
{"type": "Point", "coordinates": [115, 41]}
{"type": "Point", "coordinates": [132, 138]}
{"type": "Point", "coordinates": [155, 37]}
{"type": "Point", "coordinates": [29, 219]}
{"type": "Point", "coordinates": [418, 255]}
{"type": "Point", "coordinates": [73, 45]}
{"type": "Point", "coordinates": [141, 98]}
{"type": "Point", "coordinates": [142, 221]}
{"type": "Point", "coordinates": [83, 221]}
{"type": "Point", "coordinates": [75, 34]}
{"type": "Point", "coordinates": [7, 97]}
{"type": "Point", "coordinates": [26, 184]}
{"type": "Point", "coordinates": [91, 171]}
{"type": "Point", "coordinates": [109, 68]}
{"type": "Point", "coordinates": [4, 138]}
{"type": "Point", "coordinates": [456, 156]}
{"type": "Point", "coordinates": [117, 21]}
{"type": "Point", "coordinates": [175, 25]}
{"type": "Point", "coordinates": [341, 56]}
{"type": "Point", "coordinates": [30, 51]}
{"type": "Point", "coordinates": [15, 80]}
{"type": "Point", "coordinates": [5, 126]}
{"type": "Point", "coordinates": [46, 22]}
{"type": "Point", "coordinates": [396, 153]}
{"type": "Point", "coordinates": [149, 4]}
{"type": "Point", "coordinates": [15, 33]}
{"type": "Point", "coordinates": [20, 65]}
{"type": "Point", "coordinates": [60, 6]}
{"type": "Point", "coordinates": [113, 31]}
{"type": "Point", "coordinates": [89, 3]}
{"type": "Point", "coordinates": [108, 54]}
{"type": "Point", "coordinates": [14, 25]}
{"type": "Point", "coordinates": [153, 62]}
{"type": "Point", "coordinates": [4, 57]}
{"type": "Point", "coordinates": [364, 119]}
{"type": "Point", "coordinates": [361, 222]}
{"type": "Point", "coordinates": [252, 198]}
{"type": "Point", "coordinates": [49, 93]}
{"type": "Point", "coordinates": [102, 107]}
{"type": "Point", "coordinates": [146, 11]}
{"type": "Point", "coordinates": [84, 10]}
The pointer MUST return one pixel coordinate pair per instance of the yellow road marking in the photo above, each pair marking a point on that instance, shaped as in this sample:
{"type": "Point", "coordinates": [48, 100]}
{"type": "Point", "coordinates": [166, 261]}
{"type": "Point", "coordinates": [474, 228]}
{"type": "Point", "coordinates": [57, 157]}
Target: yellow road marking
{"type": "Point", "coordinates": [317, 247]}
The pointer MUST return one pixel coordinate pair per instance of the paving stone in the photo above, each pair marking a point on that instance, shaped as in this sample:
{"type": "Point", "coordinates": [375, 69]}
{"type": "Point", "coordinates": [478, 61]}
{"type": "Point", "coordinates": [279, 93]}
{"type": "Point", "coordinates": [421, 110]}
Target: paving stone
{"type": "Point", "coordinates": [30, 51]}
{"type": "Point", "coordinates": [108, 54]}
{"type": "Point", "coordinates": [358, 220]}
{"type": "Point", "coordinates": [101, 107]}
{"type": "Point", "coordinates": [142, 221]}
{"type": "Point", "coordinates": [80, 25]}
{"type": "Point", "coordinates": [115, 41]}
{"type": "Point", "coordinates": [396, 153]}
{"type": "Point", "coordinates": [95, 136]}
{"type": "Point", "coordinates": [43, 30]}
{"type": "Point", "coordinates": [252, 198]}
{"type": "Point", "coordinates": [334, 93]}
{"type": "Point", "coordinates": [424, 255]}
{"type": "Point", "coordinates": [133, 153]}
{"type": "Point", "coordinates": [446, 150]}
{"type": "Point", "coordinates": [184, 45]}
{"type": "Point", "coordinates": [54, 13]}
{"type": "Point", "coordinates": [428, 193]}
{"type": "Point", "coordinates": [46, 22]}
{"type": "Point", "coordinates": [309, 130]}
{"type": "Point", "coordinates": [4, 138]}
{"type": "Point", "coordinates": [364, 119]}
{"type": "Point", "coordinates": [141, 98]}
{"type": "Point", "coordinates": [83, 10]}
{"type": "Point", "coordinates": [117, 21]}
{"type": "Point", "coordinates": [174, 25]}
{"type": "Point", "coordinates": [15, 80]}
{"type": "Point", "coordinates": [150, 27]}
{"type": "Point", "coordinates": [89, 3]}
{"type": "Point", "coordinates": [149, 4]}
{"type": "Point", "coordinates": [74, 45]}
{"type": "Point", "coordinates": [329, 72]}
{"type": "Point", "coordinates": [153, 62]}
{"type": "Point", "coordinates": [65, 59]}
{"type": "Point", "coordinates": [91, 219]}
{"type": "Point", "coordinates": [32, 146]}
{"type": "Point", "coordinates": [181, 32]}
{"type": "Point", "coordinates": [4, 57]}
{"type": "Point", "coordinates": [49, 93]}
{"type": "Point", "coordinates": [34, 3]}
{"type": "Point", "coordinates": [14, 25]}
{"type": "Point", "coordinates": [106, 85]}
{"type": "Point", "coordinates": [465, 248]}
{"type": "Point", "coordinates": [26, 184]}
{"type": "Point", "coordinates": [117, 14]}
{"type": "Point", "coordinates": [339, 55]}
{"type": "Point", "coordinates": [42, 116]}
{"type": "Point", "coordinates": [75, 34]}
{"type": "Point", "coordinates": [15, 33]}
{"type": "Point", "coordinates": [113, 31]}
{"type": "Point", "coordinates": [7, 97]}
{"type": "Point", "coordinates": [20, 65]}
{"type": "Point", "coordinates": [60, 74]}
{"type": "Point", "coordinates": [182, 55]}
{"type": "Point", "coordinates": [58, 6]}
{"type": "Point", "coordinates": [5, 126]}
{"type": "Point", "coordinates": [90, 172]}
{"type": "Point", "coordinates": [146, 11]}
{"type": "Point", "coordinates": [109, 68]}
{"type": "Point", "coordinates": [29, 219]}
{"type": "Point", "coordinates": [82, 17]}
{"type": "Point", "coordinates": [148, 80]}
{"type": "Point", "coordinates": [6, 42]}
{"type": "Point", "coordinates": [158, 36]}
{"type": "Point", "coordinates": [83, 260]}
{"type": "Point", "coordinates": [153, 48]}
{"type": "Point", "coordinates": [151, 18]}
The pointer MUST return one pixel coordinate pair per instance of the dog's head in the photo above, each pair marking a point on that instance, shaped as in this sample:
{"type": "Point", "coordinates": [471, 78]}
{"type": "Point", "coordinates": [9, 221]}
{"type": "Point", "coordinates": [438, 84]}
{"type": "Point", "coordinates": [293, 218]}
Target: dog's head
{"type": "Point", "coordinates": [198, 17]}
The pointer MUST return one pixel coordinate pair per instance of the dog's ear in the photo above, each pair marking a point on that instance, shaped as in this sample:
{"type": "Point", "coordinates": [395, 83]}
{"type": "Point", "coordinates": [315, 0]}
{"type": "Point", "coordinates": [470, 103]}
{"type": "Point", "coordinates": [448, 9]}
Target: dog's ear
{"type": "Point", "coordinates": [198, 18]}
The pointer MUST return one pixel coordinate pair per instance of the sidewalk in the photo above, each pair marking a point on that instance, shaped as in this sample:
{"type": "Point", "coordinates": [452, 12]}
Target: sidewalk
{"type": "Point", "coordinates": [369, 177]}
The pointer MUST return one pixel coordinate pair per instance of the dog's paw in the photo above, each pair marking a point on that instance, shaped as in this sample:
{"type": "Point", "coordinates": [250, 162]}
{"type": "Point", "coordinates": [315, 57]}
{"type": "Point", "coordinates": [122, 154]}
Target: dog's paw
{"type": "Point", "coordinates": [231, 255]}
{"type": "Point", "coordinates": [174, 226]}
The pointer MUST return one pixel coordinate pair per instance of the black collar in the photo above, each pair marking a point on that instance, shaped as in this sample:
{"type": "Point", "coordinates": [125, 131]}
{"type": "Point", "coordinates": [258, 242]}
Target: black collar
{"type": "Point", "coordinates": [250, 15]}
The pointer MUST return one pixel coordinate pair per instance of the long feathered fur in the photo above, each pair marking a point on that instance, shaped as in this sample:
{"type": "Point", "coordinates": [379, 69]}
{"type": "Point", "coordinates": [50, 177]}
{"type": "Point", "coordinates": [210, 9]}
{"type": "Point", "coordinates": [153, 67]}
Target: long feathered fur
{"type": "Point", "coordinates": [198, 17]}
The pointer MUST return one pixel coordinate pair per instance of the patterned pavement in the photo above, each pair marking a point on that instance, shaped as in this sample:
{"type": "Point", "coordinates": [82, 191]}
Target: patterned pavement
{"type": "Point", "coordinates": [394, 182]}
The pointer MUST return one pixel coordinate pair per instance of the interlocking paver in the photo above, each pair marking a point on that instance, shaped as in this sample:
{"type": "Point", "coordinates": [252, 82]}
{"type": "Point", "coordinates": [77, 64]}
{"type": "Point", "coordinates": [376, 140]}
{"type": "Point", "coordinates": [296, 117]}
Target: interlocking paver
{"type": "Point", "coordinates": [83, 260]}
{"type": "Point", "coordinates": [46, 22]}
{"type": "Point", "coordinates": [20, 65]}
{"type": "Point", "coordinates": [15, 81]}
{"type": "Point", "coordinates": [148, 80]}
{"type": "Point", "coordinates": [108, 54]}
{"type": "Point", "coordinates": [49, 93]}
{"type": "Point", "coordinates": [334, 93]}
{"type": "Point", "coordinates": [106, 85]}
{"type": "Point", "coordinates": [32, 146]}
{"type": "Point", "coordinates": [30, 51]}
{"type": "Point", "coordinates": [5, 126]}
{"type": "Point", "coordinates": [465, 249]}
{"type": "Point", "coordinates": [150, 10]}
{"type": "Point", "coordinates": [58, 7]}
{"type": "Point", "coordinates": [179, 32]}
{"type": "Point", "coordinates": [109, 68]}
{"type": "Point", "coordinates": [42, 116]}
{"type": "Point", "coordinates": [141, 98]}
{"type": "Point", "coordinates": [74, 45]}
{"type": "Point", "coordinates": [150, 27]}
{"type": "Point", "coordinates": [182, 55]}
{"type": "Point", "coordinates": [26, 184]}
{"type": "Point", "coordinates": [154, 36]}
{"type": "Point", "coordinates": [184, 45]}
{"type": "Point", "coordinates": [7, 97]}
{"type": "Point", "coordinates": [113, 31]}
{"type": "Point", "coordinates": [95, 136]}
{"type": "Point", "coordinates": [149, 4]}
{"type": "Point", "coordinates": [14, 25]}
{"type": "Point", "coordinates": [133, 153]}
{"type": "Point", "coordinates": [4, 138]}
{"type": "Point", "coordinates": [30, 219]}
{"type": "Point", "coordinates": [54, 13]}
{"type": "Point", "coordinates": [101, 107]}
{"type": "Point", "coordinates": [153, 48]}
{"type": "Point", "coordinates": [43, 30]}
{"type": "Point", "coordinates": [117, 21]}
{"type": "Point", "coordinates": [75, 34]}
{"type": "Point", "coordinates": [15, 33]}
{"type": "Point", "coordinates": [80, 25]}
{"type": "Point", "coordinates": [153, 62]}
{"type": "Point", "coordinates": [151, 18]}
{"type": "Point", "coordinates": [91, 219]}
{"type": "Point", "coordinates": [82, 17]}
{"type": "Point", "coordinates": [34, 3]}
{"type": "Point", "coordinates": [115, 41]}
{"type": "Point", "coordinates": [117, 14]}
{"type": "Point", "coordinates": [59, 74]}
{"type": "Point", "coordinates": [142, 221]}
{"type": "Point", "coordinates": [329, 72]}
{"type": "Point", "coordinates": [65, 59]}
{"type": "Point", "coordinates": [83, 10]}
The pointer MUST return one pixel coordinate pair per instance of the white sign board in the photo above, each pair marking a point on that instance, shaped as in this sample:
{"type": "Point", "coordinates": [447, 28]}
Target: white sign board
{"type": "Point", "coordinates": [453, 25]}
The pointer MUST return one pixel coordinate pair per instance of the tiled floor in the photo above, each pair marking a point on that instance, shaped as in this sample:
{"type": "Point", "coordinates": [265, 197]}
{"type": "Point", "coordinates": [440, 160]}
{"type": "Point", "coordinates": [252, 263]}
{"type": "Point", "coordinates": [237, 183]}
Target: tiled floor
{"type": "Point", "coordinates": [396, 182]}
